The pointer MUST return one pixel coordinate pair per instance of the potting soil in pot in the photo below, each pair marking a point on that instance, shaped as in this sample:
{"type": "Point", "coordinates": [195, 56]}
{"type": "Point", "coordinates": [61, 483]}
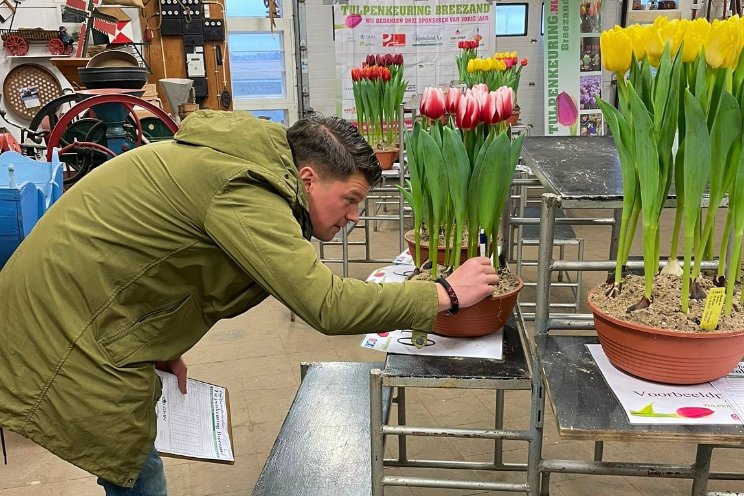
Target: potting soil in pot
{"type": "Point", "coordinates": [507, 281]}
{"type": "Point", "coordinates": [665, 310]}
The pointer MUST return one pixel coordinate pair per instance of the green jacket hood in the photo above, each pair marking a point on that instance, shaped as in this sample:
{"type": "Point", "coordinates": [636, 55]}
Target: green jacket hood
{"type": "Point", "coordinates": [240, 135]}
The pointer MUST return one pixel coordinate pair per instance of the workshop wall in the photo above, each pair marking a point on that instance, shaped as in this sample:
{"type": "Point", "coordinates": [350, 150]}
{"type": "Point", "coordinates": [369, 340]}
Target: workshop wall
{"type": "Point", "coordinates": [166, 55]}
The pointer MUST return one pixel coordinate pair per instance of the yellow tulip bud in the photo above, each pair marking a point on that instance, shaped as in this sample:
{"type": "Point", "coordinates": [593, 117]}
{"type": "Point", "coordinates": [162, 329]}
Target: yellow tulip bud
{"type": "Point", "coordinates": [725, 43]}
{"type": "Point", "coordinates": [697, 33]}
{"type": "Point", "coordinates": [639, 39]}
{"type": "Point", "coordinates": [616, 50]}
{"type": "Point", "coordinates": [471, 65]}
{"type": "Point", "coordinates": [656, 41]}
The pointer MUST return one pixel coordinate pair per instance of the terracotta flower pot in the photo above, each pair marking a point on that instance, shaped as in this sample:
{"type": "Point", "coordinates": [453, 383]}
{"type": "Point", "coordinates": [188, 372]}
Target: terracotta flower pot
{"type": "Point", "coordinates": [386, 158]}
{"type": "Point", "coordinates": [483, 318]}
{"type": "Point", "coordinates": [425, 250]}
{"type": "Point", "coordinates": [666, 355]}
{"type": "Point", "coordinates": [514, 117]}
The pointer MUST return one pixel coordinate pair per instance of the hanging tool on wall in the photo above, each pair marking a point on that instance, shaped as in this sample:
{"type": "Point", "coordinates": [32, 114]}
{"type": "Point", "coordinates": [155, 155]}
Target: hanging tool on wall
{"type": "Point", "coordinates": [273, 11]}
{"type": "Point", "coordinates": [225, 98]}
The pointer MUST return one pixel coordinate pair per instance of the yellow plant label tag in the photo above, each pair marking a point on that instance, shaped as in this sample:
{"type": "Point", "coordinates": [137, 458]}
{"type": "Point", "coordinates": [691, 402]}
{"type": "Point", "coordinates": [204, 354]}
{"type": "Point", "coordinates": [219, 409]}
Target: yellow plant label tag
{"type": "Point", "coordinates": [713, 307]}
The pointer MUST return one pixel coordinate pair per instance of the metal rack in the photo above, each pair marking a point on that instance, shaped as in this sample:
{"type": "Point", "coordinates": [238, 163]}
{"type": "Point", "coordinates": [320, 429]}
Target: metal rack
{"type": "Point", "coordinates": [584, 406]}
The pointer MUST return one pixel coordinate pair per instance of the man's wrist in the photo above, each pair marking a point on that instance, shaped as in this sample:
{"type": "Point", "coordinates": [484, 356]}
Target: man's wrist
{"type": "Point", "coordinates": [454, 301]}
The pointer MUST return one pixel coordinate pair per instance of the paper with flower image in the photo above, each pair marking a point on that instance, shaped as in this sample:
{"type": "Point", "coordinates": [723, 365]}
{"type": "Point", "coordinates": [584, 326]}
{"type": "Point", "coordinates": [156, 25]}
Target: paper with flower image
{"type": "Point", "coordinates": [647, 402]}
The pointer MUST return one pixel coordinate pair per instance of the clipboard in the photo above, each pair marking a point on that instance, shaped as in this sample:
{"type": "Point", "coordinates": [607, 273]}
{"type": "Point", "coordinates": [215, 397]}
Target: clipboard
{"type": "Point", "coordinates": [194, 426]}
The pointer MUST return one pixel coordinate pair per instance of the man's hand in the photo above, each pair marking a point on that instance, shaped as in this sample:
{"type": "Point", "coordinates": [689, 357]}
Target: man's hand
{"type": "Point", "coordinates": [178, 367]}
{"type": "Point", "coordinates": [472, 281]}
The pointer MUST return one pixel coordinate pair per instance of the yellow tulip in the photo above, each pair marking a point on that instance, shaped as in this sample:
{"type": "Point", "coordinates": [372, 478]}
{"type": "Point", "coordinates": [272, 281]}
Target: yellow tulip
{"type": "Point", "coordinates": [471, 65]}
{"type": "Point", "coordinates": [725, 43]}
{"type": "Point", "coordinates": [656, 41]}
{"type": "Point", "coordinates": [639, 39]}
{"type": "Point", "coordinates": [673, 32]}
{"type": "Point", "coordinates": [616, 50]}
{"type": "Point", "coordinates": [697, 33]}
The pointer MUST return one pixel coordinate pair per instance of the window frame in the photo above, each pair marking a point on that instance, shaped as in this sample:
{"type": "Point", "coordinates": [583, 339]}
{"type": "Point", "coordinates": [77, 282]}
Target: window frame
{"type": "Point", "coordinates": [526, 18]}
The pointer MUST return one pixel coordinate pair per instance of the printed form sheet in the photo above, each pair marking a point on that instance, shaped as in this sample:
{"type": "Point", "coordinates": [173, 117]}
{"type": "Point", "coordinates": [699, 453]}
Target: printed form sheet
{"type": "Point", "coordinates": [648, 402]}
{"type": "Point", "coordinates": [194, 425]}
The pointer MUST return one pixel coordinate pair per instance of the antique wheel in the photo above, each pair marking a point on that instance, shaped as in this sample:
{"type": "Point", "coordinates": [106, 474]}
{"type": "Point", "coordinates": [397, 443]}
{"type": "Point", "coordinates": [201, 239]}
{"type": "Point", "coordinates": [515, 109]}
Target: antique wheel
{"type": "Point", "coordinates": [50, 110]}
{"type": "Point", "coordinates": [68, 49]}
{"type": "Point", "coordinates": [76, 124]}
{"type": "Point", "coordinates": [15, 45]}
{"type": "Point", "coordinates": [81, 157]}
{"type": "Point", "coordinates": [56, 47]}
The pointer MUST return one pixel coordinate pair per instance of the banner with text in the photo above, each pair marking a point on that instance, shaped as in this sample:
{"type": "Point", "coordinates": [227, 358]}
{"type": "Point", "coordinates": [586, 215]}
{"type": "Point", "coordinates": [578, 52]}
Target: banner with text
{"type": "Point", "coordinates": [573, 67]}
{"type": "Point", "coordinates": [426, 33]}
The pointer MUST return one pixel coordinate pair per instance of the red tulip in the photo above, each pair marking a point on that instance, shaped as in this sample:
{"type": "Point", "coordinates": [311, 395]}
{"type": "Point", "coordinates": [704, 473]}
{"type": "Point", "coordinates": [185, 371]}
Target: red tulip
{"type": "Point", "coordinates": [398, 59]}
{"type": "Point", "coordinates": [356, 74]}
{"type": "Point", "coordinates": [694, 412]}
{"type": "Point", "coordinates": [379, 60]}
{"type": "Point", "coordinates": [468, 112]}
{"type": "Point", "coordinates": [460, 45]}
{"type": "Point", "coordinates": [388, 59]}
{"type": "Point", "coordinates": [509, 62]}
{"type": "Point", "coordinates": [432, 103]}
{"type": "Point", "coordinates": [370, 60]}
{"type": "Point", "coordinates": [452, 100]}
{"type": "Point", "coordinates": [524, 62]}
{"type": "Point", "coordinates": [385, 74]}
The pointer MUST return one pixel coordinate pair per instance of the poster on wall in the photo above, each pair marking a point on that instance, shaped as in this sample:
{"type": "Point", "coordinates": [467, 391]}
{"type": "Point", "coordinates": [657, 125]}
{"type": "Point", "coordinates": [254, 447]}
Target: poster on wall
{"type": "Point", "coordinates": [573, 68]}
{"type": "Point", "coordinates": [425, 32]}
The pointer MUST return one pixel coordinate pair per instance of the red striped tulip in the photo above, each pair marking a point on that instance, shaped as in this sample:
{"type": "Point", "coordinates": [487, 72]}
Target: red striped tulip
{"type": "Point", "coordinates": [385, 74]}
{"type": "Point", "coordinates": [356, 74]}
{"type": "Point", "coordinates": [453, 99]}
{"type": "Point", "coordinates": [490, 111]}
{"type": "Point", "coordinates": [505, 102]}
{"type": "Point", "coordinates": [432, 103]}
{"type": "Point", "coordinates": [468, 112]}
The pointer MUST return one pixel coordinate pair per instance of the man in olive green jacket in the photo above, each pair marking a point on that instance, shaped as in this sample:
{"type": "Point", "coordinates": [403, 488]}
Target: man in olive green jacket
{"type": "Point", "coordinates": [138, 260]}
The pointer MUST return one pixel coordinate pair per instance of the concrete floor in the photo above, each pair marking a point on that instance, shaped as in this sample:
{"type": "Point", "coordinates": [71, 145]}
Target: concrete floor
{"type": "Point", "coordinates": [257, 356]}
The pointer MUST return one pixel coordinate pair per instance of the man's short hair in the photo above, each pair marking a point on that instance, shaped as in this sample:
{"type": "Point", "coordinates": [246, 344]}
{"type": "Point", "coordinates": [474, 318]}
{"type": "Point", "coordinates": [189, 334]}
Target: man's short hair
{"type": "Point", "coordinates": [334, 146]}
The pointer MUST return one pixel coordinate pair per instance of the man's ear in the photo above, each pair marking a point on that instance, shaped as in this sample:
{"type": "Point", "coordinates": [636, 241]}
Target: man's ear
{"type": "Point", "coordinates": [309, 176]}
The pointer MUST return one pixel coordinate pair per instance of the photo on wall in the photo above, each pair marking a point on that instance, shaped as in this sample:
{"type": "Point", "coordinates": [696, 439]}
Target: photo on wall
{"type": "Point", "coordinates": [590, 88]}
{"type": "Point", "coordinates": [589, 58]}
{"type": "Point", "coordinates": [589, 14]}
{"type": "Point", "coordinates": [590, 124]}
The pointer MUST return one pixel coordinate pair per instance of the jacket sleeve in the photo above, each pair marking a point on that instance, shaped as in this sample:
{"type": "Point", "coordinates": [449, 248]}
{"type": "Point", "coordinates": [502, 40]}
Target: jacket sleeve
{"type": "Point", "coordinates": [255, 227]}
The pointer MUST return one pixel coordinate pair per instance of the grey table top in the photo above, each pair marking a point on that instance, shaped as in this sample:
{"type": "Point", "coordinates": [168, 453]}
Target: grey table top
{"type": "Point", "coordinates": [583, 171]}
{"type": "Point", "coordinates": [323, 447]}
{"type": "Point", "coordinates": [586, 408]}
{"type": "Point", "coordinates": [512, 372]}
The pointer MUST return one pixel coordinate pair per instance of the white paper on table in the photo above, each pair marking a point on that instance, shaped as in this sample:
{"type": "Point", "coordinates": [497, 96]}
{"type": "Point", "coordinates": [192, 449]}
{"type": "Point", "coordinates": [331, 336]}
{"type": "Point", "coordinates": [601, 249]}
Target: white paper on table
{"type": "Point", "coordinates": [490, 346]}
{"type": "Point", "coordinates": [404, 258]}
{"type": "Point", "coordinates": [196, 424]}
{"type": "Point", "coordinates": [732, 388]}
{"type": "Point", "coordinates": [663, 400]}
{"type": "Point", "coordinates": [391, 273]}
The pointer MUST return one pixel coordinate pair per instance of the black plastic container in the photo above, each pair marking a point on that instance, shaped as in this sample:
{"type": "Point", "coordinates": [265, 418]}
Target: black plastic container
{"type": "Point", "coordinates": [94, 78]}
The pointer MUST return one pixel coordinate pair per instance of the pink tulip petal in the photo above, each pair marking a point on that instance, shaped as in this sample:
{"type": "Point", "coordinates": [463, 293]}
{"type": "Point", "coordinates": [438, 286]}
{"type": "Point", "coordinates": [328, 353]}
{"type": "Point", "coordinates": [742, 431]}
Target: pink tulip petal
{"type": "Point", "coordinates": [353, 20]}
{"type": "Point", "coordinates": [694, 411]}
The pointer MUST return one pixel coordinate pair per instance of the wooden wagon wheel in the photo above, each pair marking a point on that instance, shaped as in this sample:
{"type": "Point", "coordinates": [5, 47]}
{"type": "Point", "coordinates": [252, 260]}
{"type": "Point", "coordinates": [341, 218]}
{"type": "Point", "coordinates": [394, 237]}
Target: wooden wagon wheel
{"type": "Point", "coordinates": [15, 45]}
{"type": "Point", "coordinates": [68, 49]}
{"type": "Point", "coordinates": [56, 47]}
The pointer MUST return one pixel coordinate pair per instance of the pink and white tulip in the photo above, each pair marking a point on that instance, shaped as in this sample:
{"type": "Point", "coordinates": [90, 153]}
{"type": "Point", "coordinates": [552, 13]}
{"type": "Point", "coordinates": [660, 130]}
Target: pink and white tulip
{"type": "Point", "coordinates": [432, 103]}
{"type": "Point", "coordinates": [468, 112]}
{"type": "Point", "coordinates": [453, 99]}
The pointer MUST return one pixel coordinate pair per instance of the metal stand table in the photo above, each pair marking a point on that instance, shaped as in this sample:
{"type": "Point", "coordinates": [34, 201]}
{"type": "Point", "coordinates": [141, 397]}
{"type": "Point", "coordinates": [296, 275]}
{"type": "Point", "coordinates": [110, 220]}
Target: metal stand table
{"type": "Point", "coordinates": [402, 371]}
{"type": "Point", "coordinates": [585, 173]}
